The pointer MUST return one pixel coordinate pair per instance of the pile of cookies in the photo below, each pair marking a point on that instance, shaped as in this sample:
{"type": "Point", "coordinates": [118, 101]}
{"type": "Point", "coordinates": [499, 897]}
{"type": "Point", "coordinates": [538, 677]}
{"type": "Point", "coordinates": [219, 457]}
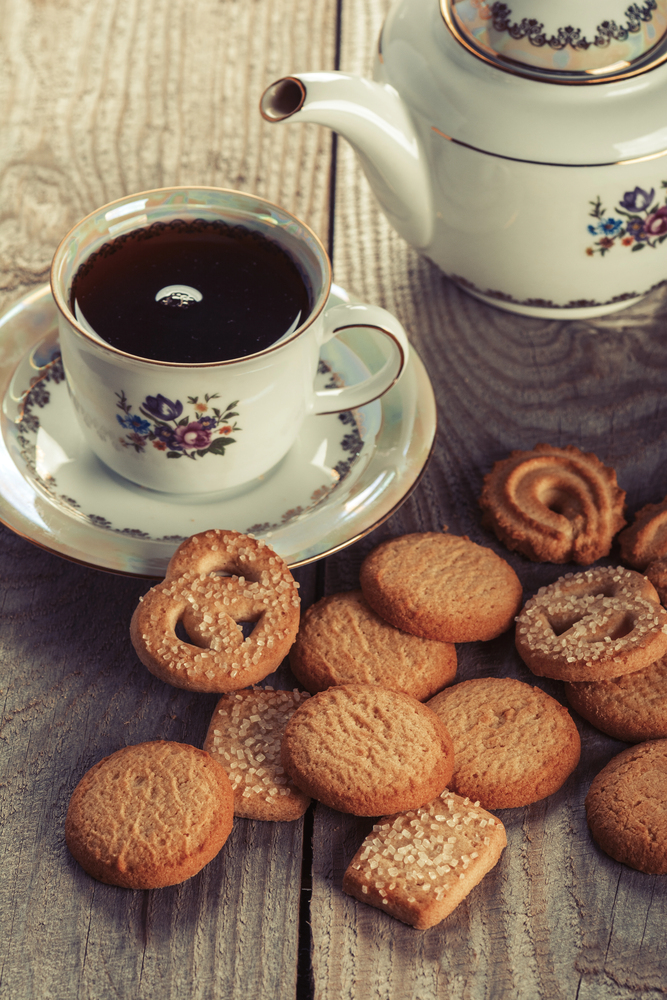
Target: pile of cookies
{"type": "Point", "coordinates": [359, 738]}
{"type": "Point", "coordinates": [381, 728]}
{"type": "Point", "coordinates": [603, 631]}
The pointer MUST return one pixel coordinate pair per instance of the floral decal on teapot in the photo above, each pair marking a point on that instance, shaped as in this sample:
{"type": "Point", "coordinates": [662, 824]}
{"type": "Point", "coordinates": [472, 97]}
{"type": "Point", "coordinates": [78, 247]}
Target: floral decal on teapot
{"type": "Point", "coordinates": [638, 221]}
{"type": "Point", "coordinates": [163, 423]}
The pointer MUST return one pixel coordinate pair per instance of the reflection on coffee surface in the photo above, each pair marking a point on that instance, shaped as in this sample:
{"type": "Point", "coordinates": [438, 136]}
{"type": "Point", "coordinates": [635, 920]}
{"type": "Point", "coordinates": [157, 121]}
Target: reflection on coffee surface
{"type": "Point", "coordinates": [190, 292]}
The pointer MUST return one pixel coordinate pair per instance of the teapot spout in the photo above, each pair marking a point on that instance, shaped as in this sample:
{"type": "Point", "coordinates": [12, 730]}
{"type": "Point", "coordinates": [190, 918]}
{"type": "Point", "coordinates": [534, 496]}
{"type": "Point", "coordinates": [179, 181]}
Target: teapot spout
{"type": "Point", "coordinates": [374, 120]}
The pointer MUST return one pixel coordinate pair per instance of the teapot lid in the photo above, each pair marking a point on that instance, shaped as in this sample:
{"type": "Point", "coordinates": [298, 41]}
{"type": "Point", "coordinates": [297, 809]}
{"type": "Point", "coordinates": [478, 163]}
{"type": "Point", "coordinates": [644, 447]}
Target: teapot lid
{"type": "Point", "coordinates": [564, 42]}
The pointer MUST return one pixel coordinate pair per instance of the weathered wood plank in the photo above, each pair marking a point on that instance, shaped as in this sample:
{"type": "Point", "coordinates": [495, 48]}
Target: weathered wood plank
{"type": "Point", "coordinates": [97, 100]}
{"type": "Point", "coordinates": [556, 918]}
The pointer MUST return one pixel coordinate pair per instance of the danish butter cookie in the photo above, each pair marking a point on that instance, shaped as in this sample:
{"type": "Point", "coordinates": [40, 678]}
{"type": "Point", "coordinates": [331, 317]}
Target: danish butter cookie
{"type": "Point", "coordinates": [341, 640]}
{"type": "Point", "coordinates": [441, 587]}
{"type": "Point", "coordinates": [215, 580]}
{"type": "Point", "coordinates": [150, 815]}
{"type": "Point", "coordinates": [553, 504]}
{"type": "Point", "coordinates": [632, 708]}
{"type": "Point", "coordinates": [365, 750]}
{"type": "Point", "coordinates": [419, 865]}
{"type": "Point", "coordinates": [592, 626]}
{"type": "Point", "coordinates": [646, 538]}
{"type": "Point", "coordinates": [513, 744]}
{"type": "Point", "coordinates": [626, 807]}
{"type": "Point", "coordinates": [656, 572]}
{"type": "Point", "coordinates": [244, 736]}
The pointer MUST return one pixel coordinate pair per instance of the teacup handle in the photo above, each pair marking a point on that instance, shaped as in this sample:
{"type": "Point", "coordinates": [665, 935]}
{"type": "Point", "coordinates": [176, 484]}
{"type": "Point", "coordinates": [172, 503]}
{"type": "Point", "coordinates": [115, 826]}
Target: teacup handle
{"type": "Point", "coordinates": [348, 316]}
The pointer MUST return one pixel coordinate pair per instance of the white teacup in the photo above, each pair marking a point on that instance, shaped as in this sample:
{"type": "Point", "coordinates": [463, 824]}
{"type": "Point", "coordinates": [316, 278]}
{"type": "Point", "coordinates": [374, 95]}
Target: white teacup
{"type": "Point", "coordinates": [215, 426]}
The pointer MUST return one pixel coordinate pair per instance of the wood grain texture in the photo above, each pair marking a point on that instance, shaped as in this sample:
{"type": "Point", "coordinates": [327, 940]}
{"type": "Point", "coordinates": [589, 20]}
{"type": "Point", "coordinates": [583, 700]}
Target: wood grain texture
{"type": "Point", "coordinates": [99, 99]}
{"type": "Point", "coordinates": [556, 919]}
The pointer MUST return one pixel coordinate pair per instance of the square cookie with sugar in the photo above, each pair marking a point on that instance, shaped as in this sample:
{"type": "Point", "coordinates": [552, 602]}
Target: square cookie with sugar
{"type": "Point", "coordinates": [419, 865]}
{"type": "Point", "coordinates": [244, 736]}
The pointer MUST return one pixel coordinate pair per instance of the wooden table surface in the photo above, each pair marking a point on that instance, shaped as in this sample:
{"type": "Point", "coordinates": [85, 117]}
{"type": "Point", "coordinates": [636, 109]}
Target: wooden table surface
{"type": "Point", "coordinates": [100, 98]}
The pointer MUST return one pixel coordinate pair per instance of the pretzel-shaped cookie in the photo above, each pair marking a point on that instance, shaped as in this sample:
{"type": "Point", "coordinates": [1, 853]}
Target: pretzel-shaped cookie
{"type": "Point", "coordinates": [594, 625]}
{"type": "Point", "coordinates": [214, 580]}
{"type": "Point", "coordinates": [553, 504]}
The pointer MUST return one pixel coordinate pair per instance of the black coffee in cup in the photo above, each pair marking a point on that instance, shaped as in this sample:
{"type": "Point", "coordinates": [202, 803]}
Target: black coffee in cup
{"type": "Point", "coordinates": [190, 292]}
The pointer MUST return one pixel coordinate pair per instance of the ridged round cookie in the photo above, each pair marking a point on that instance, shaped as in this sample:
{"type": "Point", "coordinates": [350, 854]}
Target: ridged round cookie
{"type": "Point", "coordinates": [441, 586]}
{"type": "Point", "coordinates": [513, 744]}
{"type": "Point", "coordinates": [365, 750]}
{"type": "Point", "coordinates": [646, 538]}
{"type": "Point", "coordinates": [632, 708]}
{"type": "Point", "coordinates": [553, 504]}
{"type": "Point", "coordinates": [592, 626]}
{"type": "Point", "coordinates": [150, 815]}
{"type": "Point", "coordinates": [626, 807]}
{"type": "Point", "coordinates": [656, 572]}
{"type": "Point", "coordinates": [342, 640]}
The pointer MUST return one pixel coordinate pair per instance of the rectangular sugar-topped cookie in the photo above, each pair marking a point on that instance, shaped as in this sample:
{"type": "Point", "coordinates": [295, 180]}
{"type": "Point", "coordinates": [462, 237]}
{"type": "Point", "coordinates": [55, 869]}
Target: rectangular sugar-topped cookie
{"type": "Point", "coordinates": [419, 865]}
{"type": "Point", "coordinates": [244, 736]}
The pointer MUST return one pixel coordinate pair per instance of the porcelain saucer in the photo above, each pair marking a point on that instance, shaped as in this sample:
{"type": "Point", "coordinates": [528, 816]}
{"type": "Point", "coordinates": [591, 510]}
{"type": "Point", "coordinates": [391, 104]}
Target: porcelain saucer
{"type": "Point", "coordinates": [346, 473]}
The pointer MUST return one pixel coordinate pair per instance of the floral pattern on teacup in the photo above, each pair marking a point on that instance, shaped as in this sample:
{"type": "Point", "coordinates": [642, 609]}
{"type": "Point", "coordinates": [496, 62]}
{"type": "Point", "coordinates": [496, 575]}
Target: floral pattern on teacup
{"type": "Point", "coordinates": [163, 423]}
{"type": "Point", "coordinates": [642, 222]}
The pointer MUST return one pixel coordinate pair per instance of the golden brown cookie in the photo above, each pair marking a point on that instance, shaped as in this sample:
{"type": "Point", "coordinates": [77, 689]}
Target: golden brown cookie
{"type": "Point", "coordinates": [366, 750]}
{"type": "Point", "coordinates": [553, 504]}
{"type": "Point", "coordinates": [441, 587]}
{"type": "Point", "coordinates": [341, 640]}
{"type": "Point", "coordinates": [150, 815]}
{"type": "Point", "coordinates": [592, 626]}
{"type": "Point", "coordinates": [626, 807]}
{"type": "Point", "coordinates": [646, 538]}
{"type": "Point", "coordinates": [257, 586]}
{"type": "Point", "coordinates": [632, 708]}
{"type": "Point", "coordinates": [244, 736]}
{"type": "Point", "coordinates": [513, 744]}
{"type": "Point", "coordinates": [419, 865]}
{"type": "Point", "coordinates": [656, 572]}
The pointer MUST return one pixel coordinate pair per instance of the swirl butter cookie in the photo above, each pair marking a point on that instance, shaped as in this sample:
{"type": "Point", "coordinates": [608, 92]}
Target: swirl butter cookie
{"type": "Point", "coordinates": [592, 626]}
{"type": "Point", "coordinates": [441, 586]}
{"type": "Point", "coordinates": [149, 815]}
{"type": "Point", "coordinates": [553, 504]}
{"type": "Point", "coordinates": [341, 640]}
{"type": "Point", "coordinates": [632, 708]}
{"type": "Point", "coordinates": [513, 743]}
{"type": "Point", "coordinates": [365, 750]}
{"type": "Point", "coordinates": [244, 736]}
{"type": "Point", "coordinates": [418, 865]}
{"type": "Point", "coordinates": [626, 807]}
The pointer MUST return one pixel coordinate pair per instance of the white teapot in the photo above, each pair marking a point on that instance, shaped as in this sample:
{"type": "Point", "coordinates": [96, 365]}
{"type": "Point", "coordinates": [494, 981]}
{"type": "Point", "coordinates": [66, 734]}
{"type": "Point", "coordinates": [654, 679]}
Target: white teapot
{"type": "Point", "coordinates": [521, 146]}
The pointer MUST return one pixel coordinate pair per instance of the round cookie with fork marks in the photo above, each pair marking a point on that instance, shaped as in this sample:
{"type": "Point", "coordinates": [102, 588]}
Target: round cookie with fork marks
{"type": "Point", "coordinates": [441, 586]}
{"type": "Point", "coordinates": [646, 538]}
{"type": "Point", "coordinates": [342, 640]}
{"type": "Point", "coordinates": [626, 807]}
{"type": "Point", "coordinates": [365, 750]}
{"type": "Point", "coordinates": [513, 743]}
{"type": "Point", "coordinates": [632, 708]}
{"type": "Point", "coordinates": [592, 626]}
{"type": "Point", "coordinates": [214, 581]}
{"type": "Point", "coordinates": [150, 815]}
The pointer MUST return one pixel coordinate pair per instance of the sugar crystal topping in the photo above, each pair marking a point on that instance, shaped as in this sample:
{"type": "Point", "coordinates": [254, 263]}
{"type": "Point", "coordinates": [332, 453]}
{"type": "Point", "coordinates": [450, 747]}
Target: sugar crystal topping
{"type": "Point", "coordinates": [245, 737]}
{"type": "Point", "coordinates": [261, 590]}
{"type": "Point", "coordinates": [589, 617]}
{"type": "Point", "coordinates": [422, 853]}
